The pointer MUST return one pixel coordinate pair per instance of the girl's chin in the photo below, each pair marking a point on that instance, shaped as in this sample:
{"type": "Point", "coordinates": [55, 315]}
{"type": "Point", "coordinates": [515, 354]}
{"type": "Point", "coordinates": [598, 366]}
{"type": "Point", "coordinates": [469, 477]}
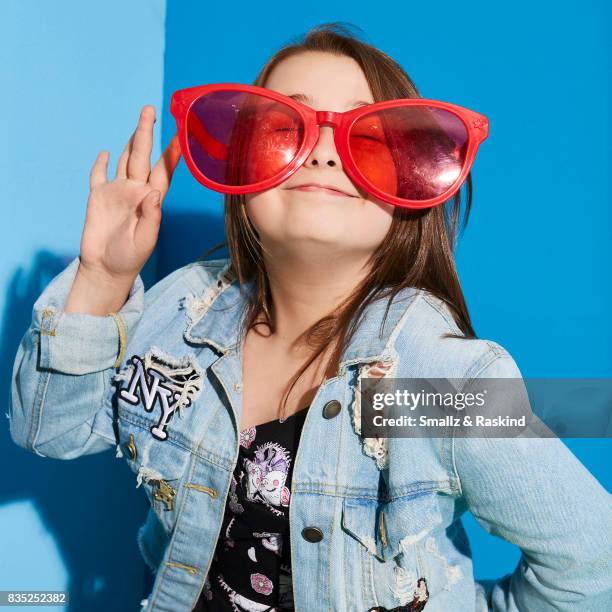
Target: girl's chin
{"type": "Point", "coordinates": [303, 240]}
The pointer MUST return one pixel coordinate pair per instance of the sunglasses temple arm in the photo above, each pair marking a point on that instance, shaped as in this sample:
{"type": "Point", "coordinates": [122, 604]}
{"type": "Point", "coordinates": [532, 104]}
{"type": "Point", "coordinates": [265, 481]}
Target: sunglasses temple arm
{"type": "Point", "coordinates": [211, 145]}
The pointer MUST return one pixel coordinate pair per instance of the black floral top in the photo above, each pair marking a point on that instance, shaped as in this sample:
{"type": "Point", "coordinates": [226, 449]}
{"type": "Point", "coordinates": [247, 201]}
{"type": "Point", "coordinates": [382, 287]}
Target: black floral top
{"type": "Point", "coordinates": [251, 567]}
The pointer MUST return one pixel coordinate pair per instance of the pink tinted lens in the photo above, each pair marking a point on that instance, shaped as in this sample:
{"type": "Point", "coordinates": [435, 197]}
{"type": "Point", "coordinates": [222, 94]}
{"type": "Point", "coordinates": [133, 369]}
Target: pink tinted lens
{"type": "Point", "coordinates": [238, 139]}
{"type": "Point", "coordinates": [410, 152]}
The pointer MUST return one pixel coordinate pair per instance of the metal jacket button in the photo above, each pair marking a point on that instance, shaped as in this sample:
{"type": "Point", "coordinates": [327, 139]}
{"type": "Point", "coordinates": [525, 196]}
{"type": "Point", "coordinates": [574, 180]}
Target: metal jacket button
{"type": "Point", "coordinates": [165, 493]}
{"type": "Point", "coordinates": [381, 530]}
{"type": "Point", "coordinates": [131, 448]}
{"type": "Point", "coordinates": [332, 409]}
{"type": "Point", "coordinates": [312, 534]}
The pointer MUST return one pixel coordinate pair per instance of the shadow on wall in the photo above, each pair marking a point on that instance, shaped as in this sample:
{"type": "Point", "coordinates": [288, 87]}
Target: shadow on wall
{"type": "Point", "coordinates": [184, 237]}
{"type": "Point", "coordinates": [89, 506]}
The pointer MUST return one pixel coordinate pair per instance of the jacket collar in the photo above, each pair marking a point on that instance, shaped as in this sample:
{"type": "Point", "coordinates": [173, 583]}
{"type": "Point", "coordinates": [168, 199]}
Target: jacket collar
{"type": "Point", "coordinates": [214, 317]}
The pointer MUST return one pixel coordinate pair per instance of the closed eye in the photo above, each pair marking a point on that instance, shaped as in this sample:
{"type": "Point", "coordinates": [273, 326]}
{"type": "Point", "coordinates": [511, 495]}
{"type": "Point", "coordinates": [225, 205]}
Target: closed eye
{"type": "Point", "coordinates": [367, 137]}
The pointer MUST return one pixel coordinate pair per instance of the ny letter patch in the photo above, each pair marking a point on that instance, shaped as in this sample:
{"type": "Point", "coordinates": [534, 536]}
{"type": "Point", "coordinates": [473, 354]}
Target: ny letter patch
{"type": "Point", "coordinates": [176, 383]}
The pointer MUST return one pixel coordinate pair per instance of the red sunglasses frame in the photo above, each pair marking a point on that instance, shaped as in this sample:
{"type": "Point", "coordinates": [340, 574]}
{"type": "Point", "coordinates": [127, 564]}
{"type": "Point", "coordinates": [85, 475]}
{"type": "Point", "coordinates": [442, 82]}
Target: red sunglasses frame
{"type": "Point", "coordinates": [477, 126]}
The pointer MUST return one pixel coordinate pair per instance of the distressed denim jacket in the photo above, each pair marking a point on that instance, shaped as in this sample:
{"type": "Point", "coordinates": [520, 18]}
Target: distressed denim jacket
{"type": "Point", "coordinates": [374, 522]}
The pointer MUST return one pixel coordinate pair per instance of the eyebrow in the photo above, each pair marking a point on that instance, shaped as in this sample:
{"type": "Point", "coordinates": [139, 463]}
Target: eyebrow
{"type": "Point", "coordinates": [308, 100]}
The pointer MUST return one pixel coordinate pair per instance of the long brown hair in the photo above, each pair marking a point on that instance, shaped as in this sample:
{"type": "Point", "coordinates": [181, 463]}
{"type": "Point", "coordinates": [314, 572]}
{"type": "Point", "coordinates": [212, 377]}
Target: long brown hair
{"type": "Point", "coordinates": [418, 250]}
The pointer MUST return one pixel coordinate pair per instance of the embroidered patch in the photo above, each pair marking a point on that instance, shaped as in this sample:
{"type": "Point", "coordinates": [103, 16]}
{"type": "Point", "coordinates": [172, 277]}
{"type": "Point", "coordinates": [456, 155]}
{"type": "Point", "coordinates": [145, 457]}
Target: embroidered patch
{"type": "Point", "coordinates": [176, 383]}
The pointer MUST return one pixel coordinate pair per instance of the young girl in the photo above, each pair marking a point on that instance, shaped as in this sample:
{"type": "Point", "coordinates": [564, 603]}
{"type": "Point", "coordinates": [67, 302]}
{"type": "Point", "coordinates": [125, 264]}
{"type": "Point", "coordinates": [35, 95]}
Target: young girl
{"type": "Point", "coordinates": [341, 268]}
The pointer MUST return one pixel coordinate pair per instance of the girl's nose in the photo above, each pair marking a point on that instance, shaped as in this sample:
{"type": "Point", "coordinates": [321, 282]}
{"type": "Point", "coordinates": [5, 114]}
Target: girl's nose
{"type": "Point", "coordinates": [324, 151]}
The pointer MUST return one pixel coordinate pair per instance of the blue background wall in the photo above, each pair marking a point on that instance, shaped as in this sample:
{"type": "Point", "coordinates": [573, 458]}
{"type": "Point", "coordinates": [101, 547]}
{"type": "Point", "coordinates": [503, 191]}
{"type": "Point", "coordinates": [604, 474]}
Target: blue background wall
{"type": "Point", "coordinates": [534, 261]}
{"type": "Point", "coordinates": [74, 76]}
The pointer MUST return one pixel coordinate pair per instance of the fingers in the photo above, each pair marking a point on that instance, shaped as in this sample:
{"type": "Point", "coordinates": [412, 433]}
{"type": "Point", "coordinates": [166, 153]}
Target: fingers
{"type": "Point", "coordinates": [139, 160]}
{"type": "Point", "coordinates": [162, 172]}
{"type": "Point", "coordinates": [123, 159]}
{"type": "Point", "coordinates": [147, 227]}
{"type": "Point", "coordinates": [98, 174]}
{"type": "Point", "coordinates": [146, 118]}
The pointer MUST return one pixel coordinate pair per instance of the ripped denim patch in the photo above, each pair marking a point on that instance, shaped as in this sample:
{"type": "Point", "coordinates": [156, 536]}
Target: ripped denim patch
{"type": "Point", "coordinates": [418, 603]}
{"type": "Point", "coordinates": [377, 447]}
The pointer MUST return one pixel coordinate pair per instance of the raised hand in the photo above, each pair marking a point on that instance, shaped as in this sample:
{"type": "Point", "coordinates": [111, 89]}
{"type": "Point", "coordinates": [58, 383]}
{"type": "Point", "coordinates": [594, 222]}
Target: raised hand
{"type": "Point", "coordinates": [122, 220]}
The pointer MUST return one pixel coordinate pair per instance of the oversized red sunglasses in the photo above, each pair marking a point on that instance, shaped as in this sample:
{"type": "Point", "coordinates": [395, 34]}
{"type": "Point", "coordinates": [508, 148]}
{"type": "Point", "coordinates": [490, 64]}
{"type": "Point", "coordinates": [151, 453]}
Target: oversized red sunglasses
{"type": "Point", "coordinates": [415, 153]}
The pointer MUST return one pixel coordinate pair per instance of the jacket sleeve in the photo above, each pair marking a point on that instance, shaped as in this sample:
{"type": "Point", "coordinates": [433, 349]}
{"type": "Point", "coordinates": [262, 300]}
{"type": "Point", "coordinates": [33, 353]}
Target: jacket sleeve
{"type": "Point", "coordinates": [64, 366]}
{"type": "Point", "coordinates": [63, 370]}
{"type": "Point", "coordinates": [534, 493]}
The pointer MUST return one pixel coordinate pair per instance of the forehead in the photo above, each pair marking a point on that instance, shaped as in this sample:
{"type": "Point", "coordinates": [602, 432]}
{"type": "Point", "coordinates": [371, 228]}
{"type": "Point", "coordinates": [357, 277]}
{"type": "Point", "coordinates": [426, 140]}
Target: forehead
{"type": "Point", "coordinates": [331, 82]}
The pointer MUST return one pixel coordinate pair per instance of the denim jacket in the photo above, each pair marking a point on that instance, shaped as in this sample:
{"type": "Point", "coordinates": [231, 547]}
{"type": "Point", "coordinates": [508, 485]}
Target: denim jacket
{"type": "Point", "coordinates": [374, 522]}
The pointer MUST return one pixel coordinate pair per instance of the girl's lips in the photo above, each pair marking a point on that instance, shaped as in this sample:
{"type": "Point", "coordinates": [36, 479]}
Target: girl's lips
{"type": "Point", "coordinates": [323, 189]}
